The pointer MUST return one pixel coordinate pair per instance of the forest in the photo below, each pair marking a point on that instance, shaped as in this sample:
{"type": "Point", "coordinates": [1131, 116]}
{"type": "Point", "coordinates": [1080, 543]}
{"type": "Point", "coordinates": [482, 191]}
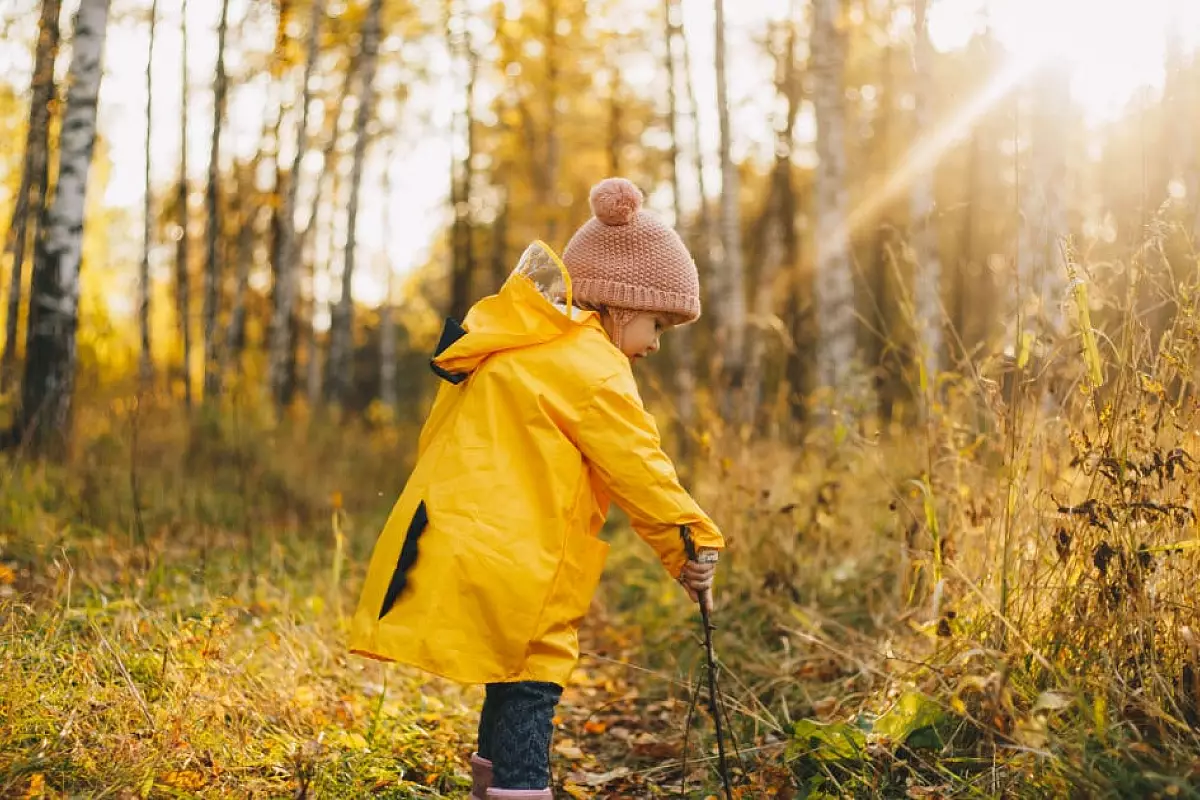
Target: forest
{"type": "Point", "coordinates": [941, 400]}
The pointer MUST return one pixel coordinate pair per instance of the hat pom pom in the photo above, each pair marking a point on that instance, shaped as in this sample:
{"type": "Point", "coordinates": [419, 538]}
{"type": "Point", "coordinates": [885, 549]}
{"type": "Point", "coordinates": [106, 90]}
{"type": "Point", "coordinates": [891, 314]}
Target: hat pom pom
{"type": "Point", "coordinates": [615, 201]}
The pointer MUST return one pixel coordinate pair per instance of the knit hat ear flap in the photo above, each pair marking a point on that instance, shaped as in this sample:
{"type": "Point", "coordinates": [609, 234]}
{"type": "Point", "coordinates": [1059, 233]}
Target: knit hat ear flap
{"type": "Point", "coordinates": [625, 257]}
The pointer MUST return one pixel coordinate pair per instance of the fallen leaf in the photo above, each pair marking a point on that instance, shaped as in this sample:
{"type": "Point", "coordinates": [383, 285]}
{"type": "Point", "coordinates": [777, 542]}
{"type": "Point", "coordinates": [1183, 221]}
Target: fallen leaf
{"type": "Point", "coordinates": [568, 749]}
{"type": "Point", "coordinates": [1053, 701]}
{"type": "Point", "coordinates": [599, 779]}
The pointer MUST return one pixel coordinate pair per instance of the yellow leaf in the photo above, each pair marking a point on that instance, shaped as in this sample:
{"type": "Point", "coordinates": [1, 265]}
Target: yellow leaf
{"type": "Point", "coordinates": [188, 779]}
{"type": "Point", "coordinates": [1024, 350]}
{"type": "Point", "coordinates": [37, 786]}
{"type": "Point", "coordinates": [594, 726]}
{"type": "Point", "coordinates": [355, 741]}
{"type": "Point", "coordinates": [304, 696]}
{"type": "Point", "coordinates": [576, 791]}
{"type": "Point", "coordinates": [6, 574]}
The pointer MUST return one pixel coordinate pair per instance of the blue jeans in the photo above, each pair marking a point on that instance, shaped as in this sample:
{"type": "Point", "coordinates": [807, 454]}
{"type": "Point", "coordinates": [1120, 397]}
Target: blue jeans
{"type": "Point", "coordinates": [514, 733]}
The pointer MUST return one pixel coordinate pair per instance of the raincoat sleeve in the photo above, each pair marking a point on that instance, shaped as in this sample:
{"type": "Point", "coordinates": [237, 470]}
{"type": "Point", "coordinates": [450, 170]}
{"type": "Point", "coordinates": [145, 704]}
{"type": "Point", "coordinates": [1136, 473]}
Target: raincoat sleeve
{"type": "Point", "coordinates": [619, 438]}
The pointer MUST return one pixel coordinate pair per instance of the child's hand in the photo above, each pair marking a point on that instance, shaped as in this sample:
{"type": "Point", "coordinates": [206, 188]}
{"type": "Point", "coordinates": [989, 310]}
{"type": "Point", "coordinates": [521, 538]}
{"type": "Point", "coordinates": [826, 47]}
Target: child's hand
{"type": "Point", "coordinates": [697, 577]}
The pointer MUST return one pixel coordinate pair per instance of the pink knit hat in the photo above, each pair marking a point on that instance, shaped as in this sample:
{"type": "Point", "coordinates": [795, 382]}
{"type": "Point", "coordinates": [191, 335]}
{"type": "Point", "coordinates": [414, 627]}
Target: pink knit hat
{"type": "Point", "coordinates": [626, 258]}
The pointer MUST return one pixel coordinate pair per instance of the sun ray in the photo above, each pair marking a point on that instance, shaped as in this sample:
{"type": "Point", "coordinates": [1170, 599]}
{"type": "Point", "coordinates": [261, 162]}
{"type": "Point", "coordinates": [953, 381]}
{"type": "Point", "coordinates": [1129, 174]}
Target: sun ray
{"type": "Point", "coordinates": [930, 147]}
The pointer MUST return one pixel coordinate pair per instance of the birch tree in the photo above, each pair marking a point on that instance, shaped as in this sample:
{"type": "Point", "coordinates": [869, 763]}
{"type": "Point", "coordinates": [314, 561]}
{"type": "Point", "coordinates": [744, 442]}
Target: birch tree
{"type": "Point", "coordinates": [31, 196]}
{"type": "Point", "coordinates": [834, 283]}
{"type": "Point", "coordinates": [387, 326]}
{"type": "Point", "coordinates": [927, 275]}
{"type": "Point", "coordinates": [702, 245]}
{"type": "Point", "coordinates": [286, 270]}
{"type": "Point", "coordinates": [780, 247]}
{"type": "Point", "coordinates": [685, 379]}
{"type": "Point", "coordinates": [732, 321]}
{"type": "Point", "coordinates": [337, 383]}
{"type": "Point", "coordinates": [54, 298]}
{"type": "Point", "coordinates": [212, 268]}
{"type": "Point", "coordinates": [146, 361]}
{"type": "Point", "coordinates": [462, 126]}
{"type": "Point", "coordinates": [246, 206]}
{"type": "Point", "coordinates": [183, 306]}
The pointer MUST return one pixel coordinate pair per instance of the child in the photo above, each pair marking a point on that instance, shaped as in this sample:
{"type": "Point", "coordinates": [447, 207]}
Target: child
{"type": "Point", "coordinates": [489, 560]}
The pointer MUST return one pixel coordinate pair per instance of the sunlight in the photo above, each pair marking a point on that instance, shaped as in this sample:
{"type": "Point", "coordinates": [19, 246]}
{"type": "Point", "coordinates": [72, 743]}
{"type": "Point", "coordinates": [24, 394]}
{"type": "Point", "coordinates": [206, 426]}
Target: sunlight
{"type": "Point", "coordinates": [924, 155]}
{"type": "Point", "coordinates": [1111, 49]}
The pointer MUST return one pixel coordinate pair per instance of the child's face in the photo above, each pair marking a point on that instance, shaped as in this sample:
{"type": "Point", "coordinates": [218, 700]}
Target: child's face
{"type": "Point", "coordinates": [641, 334]}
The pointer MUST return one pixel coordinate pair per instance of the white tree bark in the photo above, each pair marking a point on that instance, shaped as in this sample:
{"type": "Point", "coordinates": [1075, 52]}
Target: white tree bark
{"type": "Point", "coordinates": [927, 275]}
{"type": "Point", "coordinates": [147, 361]}
{"type": "Point", "coordinates": [183, 304]}
{"type": "Point", "coordinates": [731, 325]}
{"type": "Point", "coordinates": [31, 196]}
{"type": "Point", "coordinates": [286, 271]}
{"type": "Point", "coordinates": [337, 383]}
{"type": "Point", "coordinates": [54, 300]}
{"type": "Point", "coordinates": [778, 232]}
{"type": "Point", "coordinates": [387, 325]}
{"type": "Point", "coordinates": [212, 269]}
{"type": "Point", "coordinates": [685, 378]}
{"type": "Point", "coordinates": [834, 283]}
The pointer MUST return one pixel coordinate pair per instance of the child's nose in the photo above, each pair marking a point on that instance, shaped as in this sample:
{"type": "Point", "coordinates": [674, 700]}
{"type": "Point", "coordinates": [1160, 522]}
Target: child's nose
{"type": "Point", "coordinates": [654, 345]}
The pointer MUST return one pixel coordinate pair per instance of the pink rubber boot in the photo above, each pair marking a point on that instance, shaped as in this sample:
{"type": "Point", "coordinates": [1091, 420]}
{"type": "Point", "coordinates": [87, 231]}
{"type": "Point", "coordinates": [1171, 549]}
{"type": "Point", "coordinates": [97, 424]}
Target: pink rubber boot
{"type": "Point", "coordinates": [481, 777]}
{"type": "Point", "coordinates": [519, 794]}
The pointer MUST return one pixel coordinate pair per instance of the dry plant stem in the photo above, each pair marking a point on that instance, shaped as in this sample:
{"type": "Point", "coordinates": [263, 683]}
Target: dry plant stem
{"type": "Point", "coordinates": [137, 695]}
{"type": "Point", "coordinates": [139, 525]}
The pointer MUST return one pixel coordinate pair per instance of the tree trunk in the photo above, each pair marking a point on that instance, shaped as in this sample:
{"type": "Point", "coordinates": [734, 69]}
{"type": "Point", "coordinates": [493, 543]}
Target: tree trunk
{"type": "Point", "coordinates": [337, 382]}
{"type": "Point", "coordinates": [182, 270]}
{"type": "Point", "coordinates": [780, 229]}
{"type": "Point", "coordinates": [1181, 96]}
{"type": "Point", "coordinates": [549, 197]}
{"type": "Point", "coordinates": [54, 300]}
{"type": "Point", "coordinates": [462, 251]}
{"type": "Point", "coordinates": [31, 196]}
{"type": "Point", "coordinates": [961, 299]}
{"type": "Point", "coordinates": [287, 265]}
{"type": "Point", "coordinates": [685, 377]}
{"type": "Point", "coordinates": [387, 325]}
{"type": "Point", "coordinates": [834, 282]}
{"type": "Point", "coordinates": [927, 273]}
{"type": "Point", "coordinates": [703, 239]}
{"type": "Point", "coordinates": [212, 271]}
{"type": "Point", "coordinates": [144, 289]}
{"type": "Point", "coordinates": [614, 120]}
{"type": "Point", "coordinates": [235, 334]}
{"type": "Point", "coordinates": [881, 288]}
{"type": "Point", "coordinates": [1041, 272]}
{"type": "Point", "coordinates": [499, 256]}
{"type": "Point", "coordinates": [731, 324]}
{"type": "Point", "coordinates": [307, 242]}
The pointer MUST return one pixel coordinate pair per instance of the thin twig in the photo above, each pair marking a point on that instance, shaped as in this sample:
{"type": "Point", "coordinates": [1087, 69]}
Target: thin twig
{"type": "Point", "coordinates": [687, 732]}
{"type": "Point", "coordinates": [137, 695]}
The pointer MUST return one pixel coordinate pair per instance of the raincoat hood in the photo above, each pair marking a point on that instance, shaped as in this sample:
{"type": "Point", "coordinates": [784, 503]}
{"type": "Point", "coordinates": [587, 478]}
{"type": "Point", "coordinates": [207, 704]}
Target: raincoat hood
{"type": "Point", "coordinates": [533, 307]}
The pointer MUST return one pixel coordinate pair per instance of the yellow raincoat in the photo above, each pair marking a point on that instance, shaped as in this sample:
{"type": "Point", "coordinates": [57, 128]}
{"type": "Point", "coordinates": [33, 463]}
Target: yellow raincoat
{"type": "Point", "coordinates": [490, 557]}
